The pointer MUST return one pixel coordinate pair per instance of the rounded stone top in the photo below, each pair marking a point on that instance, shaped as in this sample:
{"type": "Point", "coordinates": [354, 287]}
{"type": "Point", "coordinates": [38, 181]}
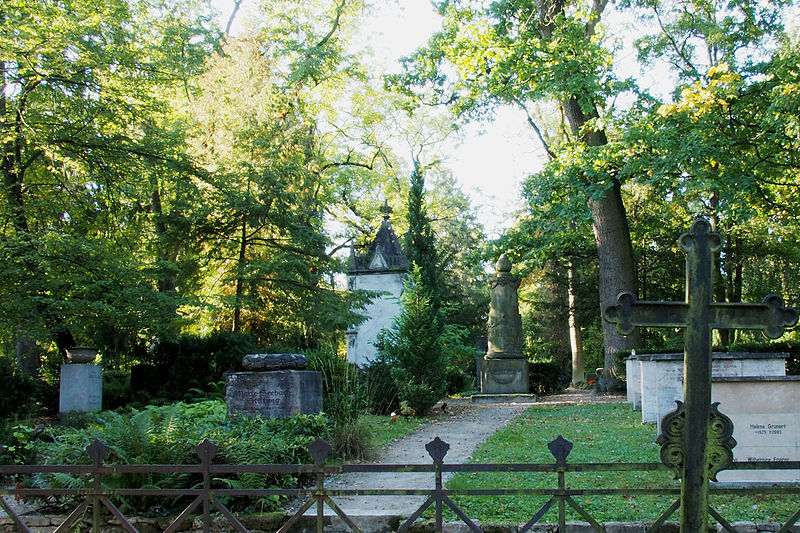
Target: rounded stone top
{"type": "Point", "coordinates": [503, 264]}
{"type": "Point", "coordinates": [274, 361]}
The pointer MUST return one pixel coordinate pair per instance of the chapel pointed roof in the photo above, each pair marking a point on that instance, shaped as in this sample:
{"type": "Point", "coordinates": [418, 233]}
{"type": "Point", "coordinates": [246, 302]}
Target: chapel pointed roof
{"type": "Point", "coordinates": [384, 253]}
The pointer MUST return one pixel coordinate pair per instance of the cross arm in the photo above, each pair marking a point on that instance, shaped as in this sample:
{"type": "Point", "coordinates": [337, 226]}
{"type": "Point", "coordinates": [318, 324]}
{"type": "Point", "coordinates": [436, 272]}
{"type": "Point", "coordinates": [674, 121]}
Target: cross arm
{"type": "Point", "coordinates": [630, 312]}
{"type": "Point", "coordinates": [771, 316]}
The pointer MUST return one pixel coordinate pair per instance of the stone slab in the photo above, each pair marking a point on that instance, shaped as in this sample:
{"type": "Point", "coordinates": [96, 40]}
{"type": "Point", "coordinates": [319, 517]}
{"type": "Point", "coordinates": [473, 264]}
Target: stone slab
{"type": "Point", "coordinates": [662, 377]}
{"type": "Point", "coordinates": [274, 394]}
{"type": "Point", "coordinates": [633, 382]}
{"type": "Point", "coordinates": [766, 424]}
{"type": "Point", "coordinates": [504, 376]}
{"type": "Point", "coordinates": [80, 388]}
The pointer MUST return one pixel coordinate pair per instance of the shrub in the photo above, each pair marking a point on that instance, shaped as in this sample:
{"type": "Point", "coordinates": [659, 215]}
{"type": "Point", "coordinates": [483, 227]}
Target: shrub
{"type": "Point", "coordinates": [194, 362]}
{"type": "Point", "coordinates": [116, 389]}
{"type": "Point", "coordinates": [414, 348]}
{"type": "Point", "coordinates": [378, 389]}
{"type": "Point", "coordinates": [18, 390]}
{"type": "Point", "coordinates": [544, 378]}
{"type": "Point", "coordinates": [460, 368]}
{"type": "Point", "coordinates": [341, 400]}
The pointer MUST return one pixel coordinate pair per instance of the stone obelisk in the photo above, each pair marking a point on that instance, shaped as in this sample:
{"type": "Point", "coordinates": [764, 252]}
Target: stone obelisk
{"type": "Point", "coordinates": [505, 368]}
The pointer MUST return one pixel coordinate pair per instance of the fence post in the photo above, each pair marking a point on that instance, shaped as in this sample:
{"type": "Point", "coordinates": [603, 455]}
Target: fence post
{"type": "Point", "coordinates": [560, 448]}
{"type": "Point", "coordinates": [206, 450]}
{"type": "Point", "coordinates": [97, 452]}
{"type": "Point", "coordinates": [437, 449]}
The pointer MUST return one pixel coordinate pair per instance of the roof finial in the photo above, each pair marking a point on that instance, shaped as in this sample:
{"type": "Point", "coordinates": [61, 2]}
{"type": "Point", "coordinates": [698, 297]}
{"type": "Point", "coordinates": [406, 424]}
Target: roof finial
{"type": "Point", "coordinates": [386, 210]}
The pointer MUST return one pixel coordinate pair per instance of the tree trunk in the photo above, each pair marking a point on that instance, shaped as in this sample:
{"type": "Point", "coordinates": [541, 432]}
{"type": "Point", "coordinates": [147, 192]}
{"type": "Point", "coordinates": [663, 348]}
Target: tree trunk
{"type": "Point", "coordinates": [616, 269]}
{"type": "Point", "coordinates": [237, 308]}
{"type": "Point", "coordinates": [575, 336]}
{"type": "Point", "coordinates": [614, 248]}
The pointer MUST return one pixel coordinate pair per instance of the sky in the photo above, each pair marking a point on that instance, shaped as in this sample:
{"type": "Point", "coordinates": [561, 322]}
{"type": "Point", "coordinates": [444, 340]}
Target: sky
{"type": "Point", "coordinates": [492, 158]}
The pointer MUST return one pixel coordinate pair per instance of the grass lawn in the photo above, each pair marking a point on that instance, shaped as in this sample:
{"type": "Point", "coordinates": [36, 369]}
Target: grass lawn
{"type": "Point", "coordinates": [600, 433]}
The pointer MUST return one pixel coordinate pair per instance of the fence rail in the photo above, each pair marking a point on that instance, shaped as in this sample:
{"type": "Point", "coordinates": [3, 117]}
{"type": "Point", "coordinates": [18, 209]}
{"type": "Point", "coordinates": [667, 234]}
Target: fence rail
{"type": "Point", "coordinates": [205, 496]}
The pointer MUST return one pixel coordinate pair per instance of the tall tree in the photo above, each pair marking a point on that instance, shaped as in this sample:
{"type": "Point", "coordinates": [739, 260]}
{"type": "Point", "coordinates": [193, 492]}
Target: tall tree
{"type": "Point", "coordinates": [420, 244]}
{"type": "Point", "coordinates": [519, 51]}
{"type": "Point", "coordinates": [81, 106]}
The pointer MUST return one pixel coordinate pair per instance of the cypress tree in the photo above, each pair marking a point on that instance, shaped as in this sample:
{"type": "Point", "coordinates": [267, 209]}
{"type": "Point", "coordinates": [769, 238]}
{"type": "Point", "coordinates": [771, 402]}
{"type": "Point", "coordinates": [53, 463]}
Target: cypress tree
{"type": "Point", "coordinates": [420, 243]}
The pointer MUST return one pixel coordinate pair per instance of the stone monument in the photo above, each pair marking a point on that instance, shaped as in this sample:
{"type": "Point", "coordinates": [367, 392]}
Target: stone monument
{"type": "Point", "coordinates": [81, 384]}
{"type": "Point", "coordinates": [505, 368]}
{"type": "Point", "coordinates": [274, 386]}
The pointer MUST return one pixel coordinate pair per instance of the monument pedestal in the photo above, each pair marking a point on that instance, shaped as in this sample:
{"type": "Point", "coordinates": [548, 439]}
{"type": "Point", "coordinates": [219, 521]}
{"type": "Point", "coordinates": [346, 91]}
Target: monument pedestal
{"type": "Point", "coordinates": [504, 376]}
{"type": "Point", "coordinates": [274, 394]}
{"type": "Point", "coordinates": [81, 388]}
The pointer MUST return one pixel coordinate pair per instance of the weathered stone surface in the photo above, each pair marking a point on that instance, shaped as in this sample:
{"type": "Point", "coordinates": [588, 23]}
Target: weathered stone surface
{"type": "Point", "coordinates": [625, 527]}
{"type": "Point", "coordinates": [274, 394]}
{"type": "Point", "coordinates": [661, 377]}
{"type": "Point", "coordinates": [765, 412]}
{"type": "Point", "coordinates": [504, 369]}
{"type": "Point", "coordinates": [505, 323]}
{"type": "Point", "coordinates": [81, 388]}
{"type": "Point", "coordinates": [504, 376]}
{"type": "Point", "coordinates": [275, 361]}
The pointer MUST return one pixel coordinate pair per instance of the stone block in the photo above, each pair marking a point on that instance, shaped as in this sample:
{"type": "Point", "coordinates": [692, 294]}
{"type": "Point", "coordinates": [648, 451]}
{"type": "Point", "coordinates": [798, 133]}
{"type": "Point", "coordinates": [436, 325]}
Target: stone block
{"type": "Point", "coordinates": [274, 394]}
{"type": "Point", "coordinates": [625, 527]}
{"type": "Point", "coordinates": [504, 376]}
{"type": "Point", "coordinates": [578, 527]}
{"type": "Point", "coordinates": [81, 388]}
{"type": "Point", "coordinates": [741, 527]}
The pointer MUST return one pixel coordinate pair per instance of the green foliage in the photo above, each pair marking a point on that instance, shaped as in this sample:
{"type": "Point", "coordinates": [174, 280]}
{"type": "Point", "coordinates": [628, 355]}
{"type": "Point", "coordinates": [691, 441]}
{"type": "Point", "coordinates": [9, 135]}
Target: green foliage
{"type": "Point", "coordinates": [18, 443]}
{"type": "Point", "coordinates": [545, 378]}
{"type": "Point", "coordinates": [116, 389]}
{"type": "Point", "coordinates": [18, 388]}
{"type": "Point", "coordinates": [197, 362]}
{"type": "Point", "coordinates": [168, 434]}
{"type": "Point", "coordinates": [420, 245]}
{"type": "Point", "coordinates": [460, 359]}
{"type": "Point", "coordinates": [413, 347]}
{"type": "Point", "coordinates": [378, 388]}
{"type": "Point", "coordinates": [340, 385]}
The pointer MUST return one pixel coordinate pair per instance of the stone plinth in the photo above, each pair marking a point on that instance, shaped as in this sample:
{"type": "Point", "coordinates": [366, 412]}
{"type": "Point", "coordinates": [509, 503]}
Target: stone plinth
{"type": "Point", "coordinates": [766, 424]}
{"type": "Point", "coordinates": [504, 376]}
{"type": "Point", "coordinates": [274, 394]}
{"type": "Point", "coordinates": [662, 376]}
{"type": "Point", "coordinates": [81, 388]}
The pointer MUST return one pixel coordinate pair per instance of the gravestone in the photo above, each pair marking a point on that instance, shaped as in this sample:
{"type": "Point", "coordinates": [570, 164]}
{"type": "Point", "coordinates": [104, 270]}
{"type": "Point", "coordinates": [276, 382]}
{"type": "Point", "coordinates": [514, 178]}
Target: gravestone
{"type": "Point", "coordinates": [661, 376]}
{"type": "Point", "coordinates": [80, 388]}
{"type": "Point", "coordinates": [505, 368]}
{"type": "Point", "coordinates": [766, 424]}
{"type": "Point", "coordinates": [275, 386]}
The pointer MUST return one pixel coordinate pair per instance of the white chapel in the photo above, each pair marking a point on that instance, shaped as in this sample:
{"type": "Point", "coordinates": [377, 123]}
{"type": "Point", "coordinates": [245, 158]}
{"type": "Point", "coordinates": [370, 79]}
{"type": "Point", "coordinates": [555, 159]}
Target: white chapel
{"type": "Point", "coordinates": [381, 266]}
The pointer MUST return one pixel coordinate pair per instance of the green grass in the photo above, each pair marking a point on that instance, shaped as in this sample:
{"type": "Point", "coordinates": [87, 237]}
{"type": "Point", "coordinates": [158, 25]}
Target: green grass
{"type": "Point", "coordinates": [601, 433]}
{"type": "Point", "coordinates": [384, 429]}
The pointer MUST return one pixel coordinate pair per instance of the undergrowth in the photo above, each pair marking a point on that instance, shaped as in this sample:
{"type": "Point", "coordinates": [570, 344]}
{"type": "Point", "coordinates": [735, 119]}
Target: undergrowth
{"type": "Point", "coordinates": [169, 434]}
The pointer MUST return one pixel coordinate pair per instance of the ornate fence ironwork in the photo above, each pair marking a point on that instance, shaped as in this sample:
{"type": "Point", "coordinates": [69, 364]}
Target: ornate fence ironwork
{"type": "Point", "coordinates": [205, 497]}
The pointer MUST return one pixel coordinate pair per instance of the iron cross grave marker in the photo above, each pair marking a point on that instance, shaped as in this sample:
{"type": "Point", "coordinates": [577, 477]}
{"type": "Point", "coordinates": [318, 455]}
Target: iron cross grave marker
{"type": "Point", "coordinates": [699, 315]}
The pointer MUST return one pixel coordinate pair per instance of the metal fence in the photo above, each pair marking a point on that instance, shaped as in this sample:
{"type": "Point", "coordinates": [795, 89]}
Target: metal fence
{"type": "Point", "coordinates": [98, 495]}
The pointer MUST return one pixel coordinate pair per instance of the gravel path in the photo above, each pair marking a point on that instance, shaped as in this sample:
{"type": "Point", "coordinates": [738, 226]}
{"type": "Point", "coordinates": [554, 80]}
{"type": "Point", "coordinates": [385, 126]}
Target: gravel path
{"type": "Point", "coordinates": [465, 426]}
